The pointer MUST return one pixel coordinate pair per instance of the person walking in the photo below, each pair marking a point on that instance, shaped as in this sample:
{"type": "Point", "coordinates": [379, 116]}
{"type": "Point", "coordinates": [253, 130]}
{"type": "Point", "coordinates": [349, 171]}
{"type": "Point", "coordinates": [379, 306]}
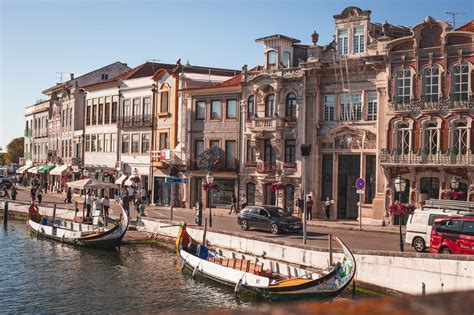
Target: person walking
{"type": "Point", "coordinates": [14, 193]}
{"type": "Point", "coordinates": [126, 204]}
{"type": "Point", "coordinates": [5, 191]}
{"type": "Point", "coordinates": [106, 204]}
{"type": "Point", "coordinates": [243, 202]}
{"type": "Point", "coordinates": [138, 202]}
{"type": "Point", "coordinates": [68, 195]}
{"type": "Point", "coordinates": [309, 209]}
{"type": "Point", "coordinates": [327, 207]}
{"type": "Point", "coordinates": [233, 204]}
{"type": "Point", "coordinates": [39, 194]}
{"type": "Point", "coordinates": [299, 204]}
{"type": "Point", "coordinates": [89, 202]}
{"type": "Point", "coordinates": [33, 193]}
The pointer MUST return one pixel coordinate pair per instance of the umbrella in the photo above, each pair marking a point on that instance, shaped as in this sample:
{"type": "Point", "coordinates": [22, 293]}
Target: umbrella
{"type": "Point", "coordinates": [90, 183]}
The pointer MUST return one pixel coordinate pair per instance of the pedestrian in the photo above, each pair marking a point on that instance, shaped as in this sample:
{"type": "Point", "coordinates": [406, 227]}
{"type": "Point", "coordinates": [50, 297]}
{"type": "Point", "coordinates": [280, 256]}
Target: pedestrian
{"type": "Point", "coordinates": [309, 209]}
{"type": "Point", "coordinates": [126, 204]}
{"type": "Point", "coordinates": [89, 202]}
{"type": "Point", "coordinates": [143, 194]}
{"type": "Point", "coordinates": [33, 193]}
{"type": "Point", "coordinates": [14, 192]}
{"type": "Point", "coordinates": [300, 204]}
{"type": "Point", "coordinates": [233, 204]}
{"type": "Point", "coordinates": [243, 202]}
{"type": "Point", "coordinates": [138, 202]}
{"type": "Point", "coordinates": [68, 195]}
{"type": "Point", "coordinates": [106, 204]}
{"type": "Point", "coordinates": [5, 191]}
{"type": "Point", "coordinates": [327, 207]}
{"type": "Point", "coordinates": [141, 210]}
{"type": "Point", "coordinates": [39, 194]}
{"type": "Point", "coordinates": [148, 197]}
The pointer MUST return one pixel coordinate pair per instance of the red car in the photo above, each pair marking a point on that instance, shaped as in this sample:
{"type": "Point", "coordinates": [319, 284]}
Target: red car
{"type": "Point", "coordinates": [453, 235]}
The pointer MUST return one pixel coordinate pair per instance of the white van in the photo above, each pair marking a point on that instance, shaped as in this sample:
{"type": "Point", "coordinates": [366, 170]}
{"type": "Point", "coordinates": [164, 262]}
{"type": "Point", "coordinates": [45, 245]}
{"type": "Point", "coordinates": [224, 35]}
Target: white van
{"type": "Point", "coordinates": [419, 226]}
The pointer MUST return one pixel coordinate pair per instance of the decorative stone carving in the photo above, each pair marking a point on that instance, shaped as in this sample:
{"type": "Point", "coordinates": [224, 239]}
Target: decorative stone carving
{"type": "Point", "coordinates": [263, 135]}
{"type": "Point", "coordinates": [326, 145]}
{"type": "Point", "coordinates": [370, 142]}
{"type": "Point", "coordinates": [348, 141]}
{"type": "Point", "coordinates": [431, 36]}
{"type": "Point", "coordinates": [404, 46]}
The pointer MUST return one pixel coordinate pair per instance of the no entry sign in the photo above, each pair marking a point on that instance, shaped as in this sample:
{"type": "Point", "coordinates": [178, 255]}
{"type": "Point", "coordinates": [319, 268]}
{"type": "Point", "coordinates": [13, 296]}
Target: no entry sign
{"type": "Point", "coordinates": [360, 183]}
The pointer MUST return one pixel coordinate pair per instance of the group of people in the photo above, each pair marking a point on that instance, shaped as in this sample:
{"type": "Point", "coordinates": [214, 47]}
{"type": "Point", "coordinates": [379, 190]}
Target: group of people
{"type": "Point", "coordinates": [309, 207]}
{"type": "Point", "coordinates": [233, 203]}
{"type": "Point", "coordinates": [13, 194]}
{"type": "Point", "coordinates": [36, 193]}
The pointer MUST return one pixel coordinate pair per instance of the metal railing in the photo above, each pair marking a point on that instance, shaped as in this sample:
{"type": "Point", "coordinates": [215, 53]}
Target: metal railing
{"type": "Point", "coordinates": [432, 105]}
{"type": "Point", "coordinates": [135, 121]}
{"type": "Point", "coordinates": [224, 166]}
{"type": "Point", "coordinates": [267, 168]}
{"type": "Point", "coordinates": [420, 158]}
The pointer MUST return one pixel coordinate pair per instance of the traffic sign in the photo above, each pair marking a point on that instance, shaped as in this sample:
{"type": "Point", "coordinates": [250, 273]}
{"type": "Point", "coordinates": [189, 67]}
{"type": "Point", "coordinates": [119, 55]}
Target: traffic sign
{"type": "Point", "coordinates": [360, 183]}
{"type": "Point", "coordinates": [174, 180]}
{"type": "Point", "coordinates": [360, 191]}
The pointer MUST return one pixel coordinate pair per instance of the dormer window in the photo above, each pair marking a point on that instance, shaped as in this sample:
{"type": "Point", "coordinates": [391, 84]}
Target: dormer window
{"type": "Point", "coordinates": [271, 58]}
{"type": "Point", "coordinates": [359, 39]}
{"type": "Point", "coordinates": [342, 41]}
{"type": "Point", "coordinates": [286, 60]}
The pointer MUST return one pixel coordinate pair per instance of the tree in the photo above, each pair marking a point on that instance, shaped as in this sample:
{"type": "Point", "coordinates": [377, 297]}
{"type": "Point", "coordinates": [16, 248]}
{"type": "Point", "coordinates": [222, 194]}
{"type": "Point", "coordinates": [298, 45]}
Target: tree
{"type": "Point", "coordinates": [2, 158]}
{"type": "Point", "coordinates": [15, 150]}
{"type": "Point", "coordinates": [210, 159]}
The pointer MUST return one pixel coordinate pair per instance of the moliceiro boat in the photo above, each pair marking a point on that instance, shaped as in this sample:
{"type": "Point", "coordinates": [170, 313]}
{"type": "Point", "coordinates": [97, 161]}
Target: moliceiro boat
{"type": "Point", "coordinates": [75, 233]}
{"type": "Point", "coordinates": [269, 279]}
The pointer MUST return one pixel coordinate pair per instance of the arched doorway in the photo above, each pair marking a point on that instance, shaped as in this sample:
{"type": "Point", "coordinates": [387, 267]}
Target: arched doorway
{"type": "Point", "coordinates": [250, 192]}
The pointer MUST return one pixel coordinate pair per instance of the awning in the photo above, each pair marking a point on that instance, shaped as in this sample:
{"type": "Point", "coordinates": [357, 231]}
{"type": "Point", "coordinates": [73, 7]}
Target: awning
{"type": "Point", "coordinates": [58, 170]}
{"type": "Point", "coordinates": [33, 170]}
{"type": "Point", "coordinates": [120, 180]}
{"type": "Point", "coordinates": [45, 168]}
{"type": "Point", "coordinates": [22, 169]}
{"type": "Point", "coordinates": [90, 183]}
{"type": "Point", "coordinates": [129, 181]}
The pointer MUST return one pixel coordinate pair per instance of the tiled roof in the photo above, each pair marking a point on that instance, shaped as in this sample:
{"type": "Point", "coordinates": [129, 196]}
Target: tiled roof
{"type": "Point", "coordinates": [468, 27]}
{"type": "Point", "coordinates": [235, 81]}
{"type": "Point", "coordinates": [278, 36]}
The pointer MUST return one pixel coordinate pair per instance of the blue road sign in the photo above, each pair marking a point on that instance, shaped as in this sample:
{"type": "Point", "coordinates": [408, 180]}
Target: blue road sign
{"type": "Point", "coordinates": [174, 180]}
{"type": "Point", "coordinates": [360, 183]}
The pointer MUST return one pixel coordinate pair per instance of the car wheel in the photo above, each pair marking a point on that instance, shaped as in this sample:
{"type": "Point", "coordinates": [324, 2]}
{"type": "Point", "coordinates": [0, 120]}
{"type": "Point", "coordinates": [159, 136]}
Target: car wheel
{"type": "Point", "coordinates": [274, 229]}
{"type": "Point", "coordinates": [244, 225]}
{"type": "Point", "coordinates": [419, 244]}
{"type": "Point", "coordinates": [445, 250]}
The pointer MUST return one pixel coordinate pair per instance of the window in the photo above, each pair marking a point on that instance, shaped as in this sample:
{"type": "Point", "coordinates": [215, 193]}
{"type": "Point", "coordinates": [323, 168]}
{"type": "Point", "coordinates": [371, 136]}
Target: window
{"type": "Point", "coordinates": [200, 110]}
{"type": "Point", "coordinates": [290, 150]}
{"type": "Point", "coordinates": [290, 110]}
{"type": "Point", "coordinates": [403, 86]}
{"type": "Point", "coordinates": [126, 108]}
{"type": "Point", "coordinates": [146, 107]}
{"type": "Point", "coordinates": [216, 110]}
{"type": "Point", "coordinates": [125, 143]}
{"type": "Point", "coordinates": [351, 107]}
{"type": "Point", "coordinates": [251, 106]}
{"type": "Point", "coordinates": [468, 228]}
{"type": "Point", "coordinates": [63, 119]}
{"type": "Point", "coordinates": [431, 84]}
{"type": "Point", "coordinates": [372, 106]}
{"type": "Point", "coordinates": [104, 76]}
{"type": "Point", "coordinates": [230, 154]}
{"type": "Point", "coordinates": [430, 138]}
{"type": "Point", "coordinates": [94, 111]}
{"type": "Point", "coordinates": [459, 138]}
{"type": "Point", "coordinates": [198, 147]}
{"type": "Point", "coordinates": [449, 226]}
{"type": "Point", "coordinates": [460, 82]}
{"type": "Point", "coordinates": [214, 143]}
{"type": "Point", "coordinates": [342, 41]}
{"type": "Point", "coordinates": [250, 151]}
{"type": "Point", "coordinates": [403, 138]}
{"type": "Point", "coordinates": [164, 102]}
{"type": "Point", "coordinates": [231, 109]}
{"type": "Point", "coordinates": [329, 104]}
{"type": "Point", "coordinates": [136, 109]}
{"type": "Point", "coordinates": [359, 41]}
{"type": "Point", "coordinates": [145, 143]}
{"type": "Point", "coordinates": [88, 143]}
{"type": "Point", "coordinates": [250, 194]}
{"type": "Point", "coordinates": [107, 142]}
{"type": "Point", "coordinates": [113, 142]}
{"type": "Point", "coordinates": [270, 105]}
{"type": "Point", "coordinates": [135, 143]}
{"type": "Point", "coordinates": [269, 154]}
{"type": "Point", "coordinates": [114, 109]}
{"type": "Point", "coordinates": [271, 58]}
{"type": "Point", "coordinates": [100, 139]}
{"type": "Point", "coordinates": [327, 176]}
{"type": "Point", "coordinates": [101, 111]}
{"type": "Point", "coordinates": [93, 143]}
{"type": "Point", "coordinates": [286, 60]}
{"type": "Point", "coordinates": [107, 110]}
{"type": "Point", "coordinates": [163, 141]}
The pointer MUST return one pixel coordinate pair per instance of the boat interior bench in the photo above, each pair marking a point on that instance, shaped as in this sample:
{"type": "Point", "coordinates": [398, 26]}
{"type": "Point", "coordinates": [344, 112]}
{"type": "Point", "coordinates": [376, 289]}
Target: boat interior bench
{"type": "Point", "coordinates": [253, 267]}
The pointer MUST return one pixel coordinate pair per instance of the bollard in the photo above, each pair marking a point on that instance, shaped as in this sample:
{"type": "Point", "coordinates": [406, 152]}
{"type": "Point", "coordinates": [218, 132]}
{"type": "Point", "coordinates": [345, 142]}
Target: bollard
{"type": "Point", "coordinates": [423, 288]}
{"type": "Point", "coordinates": [5, 213]}
{"type": "Point", "coordinates": [204, 233]}
{"type": "Point", "coordinates": [330, 248]}
{"type": "Point", "coordinates": [54, 212]}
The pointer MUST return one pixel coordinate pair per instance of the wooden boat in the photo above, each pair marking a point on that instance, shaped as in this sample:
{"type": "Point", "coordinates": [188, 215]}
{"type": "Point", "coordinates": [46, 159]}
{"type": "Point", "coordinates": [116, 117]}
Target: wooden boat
{"type": "Point", "coordinates": [268, 279]}
{"type": "Point", "coordinates": [81, 234]}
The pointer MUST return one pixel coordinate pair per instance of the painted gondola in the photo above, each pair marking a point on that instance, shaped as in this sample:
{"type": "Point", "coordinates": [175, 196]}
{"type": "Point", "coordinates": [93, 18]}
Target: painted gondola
{"type": "Point", "coordinates": [75, 233]}
{"type": "Point", "coordinates": [267, 278]}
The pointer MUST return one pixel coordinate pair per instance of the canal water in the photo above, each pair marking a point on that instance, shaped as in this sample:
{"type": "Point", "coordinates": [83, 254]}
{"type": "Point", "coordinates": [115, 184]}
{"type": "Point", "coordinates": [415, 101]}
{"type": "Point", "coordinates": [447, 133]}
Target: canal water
{"type": "Point", "coordinates": [42, 276]}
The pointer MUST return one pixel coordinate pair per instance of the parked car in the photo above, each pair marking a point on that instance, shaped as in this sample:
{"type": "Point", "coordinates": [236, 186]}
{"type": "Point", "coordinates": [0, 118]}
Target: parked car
{"type": "Point", "coordinates": [5, 181]}
{"type": "Point", "coordinates": [269, 218]}
{"type": "Point", "coordinates": [419, 226]}
{"type": "Point", "coordinates": [453, 235]}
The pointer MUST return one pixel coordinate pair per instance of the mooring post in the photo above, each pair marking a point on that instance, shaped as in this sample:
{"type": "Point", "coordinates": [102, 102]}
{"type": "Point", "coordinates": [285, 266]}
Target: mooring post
{"type": "Point", "coordinates": [54, 212]}
{"type": "Point", "coordinates": [5, 213]}
{"type": "Point", "coordinates": [423, 288]}
{"type": "Point", "coordinates": [76, 210]}
{"type": "Point", "coordinates": [330, 248]}
{"type": "Point", "coordinates": [204, 233]}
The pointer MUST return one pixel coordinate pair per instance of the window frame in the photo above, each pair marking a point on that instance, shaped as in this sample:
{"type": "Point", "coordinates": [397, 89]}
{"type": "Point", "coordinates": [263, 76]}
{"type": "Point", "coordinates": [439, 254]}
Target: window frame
{"type": "Point", "coordinates": [290, 105]}
{"type": "Point", "coordinates": [227, 109]}
{"type": "Point", "coordinates": [250, 109]}
{"type": "Point", "coordinates": [145, 149]}
{"type": "Point", "coordinates": [201, 116]}
{"type": "Point", "coordinates": [329, 108]}
{"type": "Point", "coordinates": [290, 150]}
{"type": "Point", "coordinates": [123, 149]}
{"type": "Point", "coordinates": [270, 108]}
{"type": "Point", "coordinates": [219, 116]}
{"type": "Point", "coordinates": [372, 106]}
{"type": "Point", "coordinates": [458, 94]}
{"type": "Point", "coordinates": [431, 91]}
{"type": "Point", "coordinates": [269, 54]}
{"type": "Point", "coordinates": [343, 41]}
{"type": "Point", "coordinates": [137, 136]}
{"type": "Point", "coordinates": [401, 77]}
{"type": "Point", "coordinates": [358, 39]}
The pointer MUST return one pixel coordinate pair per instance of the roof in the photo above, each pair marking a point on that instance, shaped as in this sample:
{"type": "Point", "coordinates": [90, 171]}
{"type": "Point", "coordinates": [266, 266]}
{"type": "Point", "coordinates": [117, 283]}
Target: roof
{"type": "Point", "coordinates": [277, 36]}
{"type": "Point", "coordinates": [468, 27]}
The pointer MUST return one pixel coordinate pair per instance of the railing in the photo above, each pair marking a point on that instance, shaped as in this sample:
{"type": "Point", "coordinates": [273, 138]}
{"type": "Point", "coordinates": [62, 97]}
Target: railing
{"type": "Point", "coordinates": [250, 164]}
{"type": "Point", "coordinates": [192, 164]}
{"type": "Point", "coordinates": [224, 166]}
{"type": "Point", "coordinates": [442, 159]}
{"type": "Point", "coordinates": [265, 123]}
{"type": "Point", "coordinates": [135, 121]}
{"type": "Point", "coordinates": [289, 165]}
{"type": "Point", "coordinates": [267, 168]}
{"type": "Point", "coordinates": [427, 105]}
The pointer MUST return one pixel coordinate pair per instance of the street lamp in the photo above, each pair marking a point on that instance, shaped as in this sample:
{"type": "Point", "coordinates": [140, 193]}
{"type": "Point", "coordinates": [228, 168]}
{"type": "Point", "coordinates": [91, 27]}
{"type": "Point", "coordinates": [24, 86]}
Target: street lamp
{"type": "Point", "coordinates": [400, 185]}
{"type": "Point", "coordinates": [455, 183]}
{"type": "Point", "coordinates": [210, 181]}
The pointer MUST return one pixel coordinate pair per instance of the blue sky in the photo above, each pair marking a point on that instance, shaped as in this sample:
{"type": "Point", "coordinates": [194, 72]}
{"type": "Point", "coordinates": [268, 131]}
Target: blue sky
{"type": "Point", "coordinates": [40, 38]}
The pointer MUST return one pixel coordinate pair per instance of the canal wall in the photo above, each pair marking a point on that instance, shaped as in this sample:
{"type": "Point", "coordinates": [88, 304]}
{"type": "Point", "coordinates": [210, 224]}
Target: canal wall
{"type": "Point", "coordinates": [402, 272]}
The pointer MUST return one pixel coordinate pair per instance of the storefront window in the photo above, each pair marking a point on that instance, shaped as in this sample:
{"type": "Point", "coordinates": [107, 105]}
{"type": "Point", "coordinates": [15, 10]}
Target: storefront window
{"type": "Point", "coordinates": [430, 187]}
{"type": "Point", "coordinates": [224, 195]}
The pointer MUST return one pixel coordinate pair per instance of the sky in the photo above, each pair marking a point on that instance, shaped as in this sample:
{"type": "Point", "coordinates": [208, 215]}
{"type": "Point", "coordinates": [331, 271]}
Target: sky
{"type": "Point", "coordinates": [40, 38]}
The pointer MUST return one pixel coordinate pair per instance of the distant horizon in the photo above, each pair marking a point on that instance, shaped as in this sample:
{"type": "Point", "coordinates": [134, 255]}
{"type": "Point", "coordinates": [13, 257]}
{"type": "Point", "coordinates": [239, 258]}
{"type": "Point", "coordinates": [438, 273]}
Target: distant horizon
{"type": "Point", "coordinates": [41, 39]}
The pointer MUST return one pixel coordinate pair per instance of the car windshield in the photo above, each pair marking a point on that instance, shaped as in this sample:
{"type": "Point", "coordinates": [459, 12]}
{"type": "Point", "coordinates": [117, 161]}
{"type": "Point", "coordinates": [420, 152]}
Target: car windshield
{"type": "Point", "coordinates": [277, 212]}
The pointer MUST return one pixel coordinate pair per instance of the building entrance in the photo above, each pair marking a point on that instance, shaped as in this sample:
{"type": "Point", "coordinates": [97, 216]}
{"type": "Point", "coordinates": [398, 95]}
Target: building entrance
{"type": "Point", "coordinates": [348, 171]}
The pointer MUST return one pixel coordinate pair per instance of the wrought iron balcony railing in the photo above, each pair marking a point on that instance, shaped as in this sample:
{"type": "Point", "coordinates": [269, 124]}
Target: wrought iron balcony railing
{"type": "Point", "coordinates": [135, 121]}
{"type": "Point", "coordinates": [432, 105]}
{"type": "Point", "coordinates": [421, 158]}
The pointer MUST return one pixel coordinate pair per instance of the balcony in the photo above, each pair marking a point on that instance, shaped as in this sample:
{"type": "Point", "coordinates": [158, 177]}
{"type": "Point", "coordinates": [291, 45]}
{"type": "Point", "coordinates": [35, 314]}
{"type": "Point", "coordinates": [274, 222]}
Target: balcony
{"type": "Point", "coordinates": [135, 121]}
{"type": "Point", "coordinates": [416, 159]}
{"type": "Point", "coordinates": [156, 160]}
{"type": "Point", "coordinates": [289, 166]}
{"type": "Point", "coordinates": [267, 168]}
{"type": "Point", "coordinates": [427, 105]}
{"type": "Point", "coordinates": [265, 124]}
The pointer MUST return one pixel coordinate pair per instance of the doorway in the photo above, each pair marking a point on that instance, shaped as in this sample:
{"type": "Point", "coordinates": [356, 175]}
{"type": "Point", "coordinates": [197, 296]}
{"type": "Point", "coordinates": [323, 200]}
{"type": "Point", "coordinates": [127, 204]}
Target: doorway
{"type": "Point", "coordinates": [270, 196]}
{"type": "Point", "coordinates": [348, 171]}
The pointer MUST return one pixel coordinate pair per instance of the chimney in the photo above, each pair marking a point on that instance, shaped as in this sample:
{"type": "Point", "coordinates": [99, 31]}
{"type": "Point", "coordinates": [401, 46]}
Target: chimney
{"type": "Point", "coordinates": [72, 76]}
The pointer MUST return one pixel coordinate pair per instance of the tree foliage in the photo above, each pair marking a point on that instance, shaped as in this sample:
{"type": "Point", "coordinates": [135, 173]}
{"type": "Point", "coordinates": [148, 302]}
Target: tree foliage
{"type": "Point", "coordinates": [210, 158]}
{"type": "Point", "coordinates": [15, 150]}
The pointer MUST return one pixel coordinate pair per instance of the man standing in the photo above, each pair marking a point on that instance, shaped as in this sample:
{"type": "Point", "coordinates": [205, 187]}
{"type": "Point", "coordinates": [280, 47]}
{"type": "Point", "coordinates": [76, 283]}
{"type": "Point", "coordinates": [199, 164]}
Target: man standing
{"type": "Point", "coordinates": [327, 207]}
{"type": "Point", "coordinates": [126, 204]}
{"type": "Point", "coordinates": [233, 204]}
{"type": "Point", "coordinates": [68, 195]}
{"type": "Point", "coordinates": [89, 202]}
{"type": "Point", "coordinates": [243, 202]}
{"type": "Point", "coordinates": [309, 209]}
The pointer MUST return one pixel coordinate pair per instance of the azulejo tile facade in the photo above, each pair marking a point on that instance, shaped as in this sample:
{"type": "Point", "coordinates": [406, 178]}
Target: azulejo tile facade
{"type": "Point", "coordinates": [379, 101]}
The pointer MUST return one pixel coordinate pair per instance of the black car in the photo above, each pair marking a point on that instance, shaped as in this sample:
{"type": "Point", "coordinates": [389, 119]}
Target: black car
{"type": "Point", "coordinates": [269, 218]}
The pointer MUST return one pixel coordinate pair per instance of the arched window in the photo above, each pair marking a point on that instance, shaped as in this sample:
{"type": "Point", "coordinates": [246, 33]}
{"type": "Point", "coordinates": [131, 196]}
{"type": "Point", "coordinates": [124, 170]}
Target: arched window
{"type": "Point", "coordinates": [403, 138]}
{"type": "Point", "coordinates": [430, 138]}
{"type": "Point", "coordinates": [459, 138]}
{"type": "Point", "coordinates": [251, 106]}
{"type": "Point", "coordinates": [270, 105]}
{"type": "Point", "coordinates": [460, 82]}
{"type": "Point", "coordinates": [290, 105]}
{"type": "Point", "coordinates": [403, 86]}
{"type": "Point", "coordinates": [251, 194]}
{"type": "Point", "coordinates": [271, 58]}
{"type": "Point", "coordinates": [431, 84]}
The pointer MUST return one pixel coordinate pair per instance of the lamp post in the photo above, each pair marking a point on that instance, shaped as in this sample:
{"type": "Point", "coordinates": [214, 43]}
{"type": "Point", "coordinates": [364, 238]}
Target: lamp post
{"type": "Point", "coordinates": [277, 179]}
{"type": "Point", "coordinates": [455, 183]}
{"type": "Point", "coordinates": [400, 185]}
{"type": "Point", "coordinates": [210, 181]}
